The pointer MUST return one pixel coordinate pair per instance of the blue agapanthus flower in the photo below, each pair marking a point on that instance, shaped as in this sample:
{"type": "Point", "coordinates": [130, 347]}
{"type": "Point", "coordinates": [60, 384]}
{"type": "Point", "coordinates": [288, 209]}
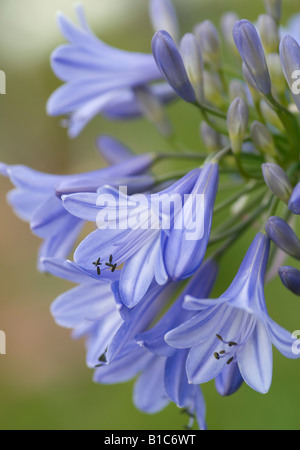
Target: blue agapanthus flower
{"type": "Point", "coordinates": [145, 274]}
{"type": "Point", "coordinates": [235, 328]}
{"type": "Point", "coordinates": [148, 236]}
{"type": "Point", "coordinates": [37, 198]}
{"type": "Point", "coordinates": [99, 78]}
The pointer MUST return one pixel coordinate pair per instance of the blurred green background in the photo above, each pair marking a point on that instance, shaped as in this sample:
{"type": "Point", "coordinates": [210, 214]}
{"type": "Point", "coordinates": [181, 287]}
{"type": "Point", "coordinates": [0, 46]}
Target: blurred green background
{"type": "Point", "coordinates": [44, 383]}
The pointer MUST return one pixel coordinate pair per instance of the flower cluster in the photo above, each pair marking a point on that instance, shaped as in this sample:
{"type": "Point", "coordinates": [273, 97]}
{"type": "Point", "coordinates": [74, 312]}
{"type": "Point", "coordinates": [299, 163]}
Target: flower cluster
{"type": "Point", "coordinates": [145, 274]}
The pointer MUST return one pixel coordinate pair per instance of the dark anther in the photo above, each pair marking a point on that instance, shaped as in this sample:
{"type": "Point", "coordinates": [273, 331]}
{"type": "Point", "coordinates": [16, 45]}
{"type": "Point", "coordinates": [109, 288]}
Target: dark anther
{"type": "Point", "coordinates": [217, 356]}
{"type": "Point", "coordinates": [229, 361]}
{"type": "Point", "coordinates": [222, 352]}
{"type": "Point", "coordinates": [98, 270]}
{"type": "Point", "coordinates": [219, 337]}
{"type": "Point", "coordinates": [110, 264]}
{"type": "Point", "coordinates": [232, 344]}
{"type": "Point", "coordinates": [97, 263]}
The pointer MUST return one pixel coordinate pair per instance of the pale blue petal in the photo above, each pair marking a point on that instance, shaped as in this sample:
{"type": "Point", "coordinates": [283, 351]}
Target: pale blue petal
{"type": "Point", "coordinates": [284, 341]}
{"type": "Point", "coordinates": [149, 394]}
{"type": "Point", "coordinates": [177, 386]}
{"type": "Point", "coordinates": [256, 360]}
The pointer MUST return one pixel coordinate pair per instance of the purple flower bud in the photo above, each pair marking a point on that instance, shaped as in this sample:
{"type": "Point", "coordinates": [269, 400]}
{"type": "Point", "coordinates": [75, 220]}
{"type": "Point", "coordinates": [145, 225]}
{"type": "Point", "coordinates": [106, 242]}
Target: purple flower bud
{"type": "Point", "coordinates": [290, 60]}
{"type": "Point", "coordinates": [268, 31]}
{"type": "Point", "coordinates": [163, 17]}
{"type": "Point", "coordinates": [277, 181]}
{"type": "Point", "coordinates": [171, 65]}
{"type": "Point", "coordinates": [192, 57]}
{"type": "Point", "coordinates": [209, 41]}
{"type": "Point", "coordinates": [273, 8]}
{"type": "Point", "coordinates": [237, 123]}
{"type": "Point", "coordinates": [283, 236]}
{"type": "Point", "coordinates": [294, 203]}
{"type": "Point", "coordinates": [251, 50]}
{"type": "Point", "coordinates": [290, 277]}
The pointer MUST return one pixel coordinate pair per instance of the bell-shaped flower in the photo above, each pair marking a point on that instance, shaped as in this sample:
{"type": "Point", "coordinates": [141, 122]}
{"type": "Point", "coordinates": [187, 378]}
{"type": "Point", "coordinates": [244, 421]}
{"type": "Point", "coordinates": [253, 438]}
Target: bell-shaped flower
{"type": "Point", "coordinates": [98, 78]}
{"type": "Point", "coordinates": [162, 235]}
{"type": "Point", "coordinates": [36, 198]}
{"type": "Point", "coordinates": [235, 328]}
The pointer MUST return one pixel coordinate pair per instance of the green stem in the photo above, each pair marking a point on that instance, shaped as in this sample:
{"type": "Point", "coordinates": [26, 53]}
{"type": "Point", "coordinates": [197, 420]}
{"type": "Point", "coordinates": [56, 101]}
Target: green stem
{"type": "Point", "coordinates": [252, 186]}
{"type": "Point", "coordinates": [187, 155]}
{"type": "Point", "coordinates": [211, 110]}
{"type": "Point", "coordinates": [241, 227]}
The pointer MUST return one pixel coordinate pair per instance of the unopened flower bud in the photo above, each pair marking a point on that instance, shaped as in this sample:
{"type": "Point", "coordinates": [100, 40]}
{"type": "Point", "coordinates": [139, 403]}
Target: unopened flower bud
{"type": "Point", "coordinates": [237, 123]}
{"type": "Point", "coordinates": [277, 181]}
{"type": "Point", "coordinates": [294, 203]}
{"type": "Point", "coordinates": [273, 8]}
{"type": "Point", "coordinates": [153, 109]}
{"type": "Point", "coordinates": [268, 31]}
{"type": "Point", "coordinates": [251, 50]}
{"type": "Point", "coordinates": [237, 89]}
{"type": "Point", "coordinates": [213, 88]}
{"type": "Point", "coordinates": [170, 63]}
{"type": "Point", "coordinates": [262, 138]}
{"type": "Point", "coordinates": [163, 17]}
{"type": "Point", "coordinates": [227, 23]}
{"type": "Point", "coordinates": [290, 60]}
{"type": "Point", "coordinates": [211, 138]}
{"type": "Point", "coordinates": [208, 38]}
{"type": "Point", "coordinates": [270, 116]}
{"type": "Point", "coordinates": [283, 236]}
{"type": "Point", "coordinates": [191, 54]}
{"type": "Point", "coordinates": [290, 277]}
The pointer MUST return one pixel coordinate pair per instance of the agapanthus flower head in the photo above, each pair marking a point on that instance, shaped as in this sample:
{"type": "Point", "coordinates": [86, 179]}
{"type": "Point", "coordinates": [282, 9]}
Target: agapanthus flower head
{"type": "Point", "coordinates": [251, 50]}
{"type": "Point", "coordinates": [98, 78]}
{"type": "Point", "coordinates": [235, 328]}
